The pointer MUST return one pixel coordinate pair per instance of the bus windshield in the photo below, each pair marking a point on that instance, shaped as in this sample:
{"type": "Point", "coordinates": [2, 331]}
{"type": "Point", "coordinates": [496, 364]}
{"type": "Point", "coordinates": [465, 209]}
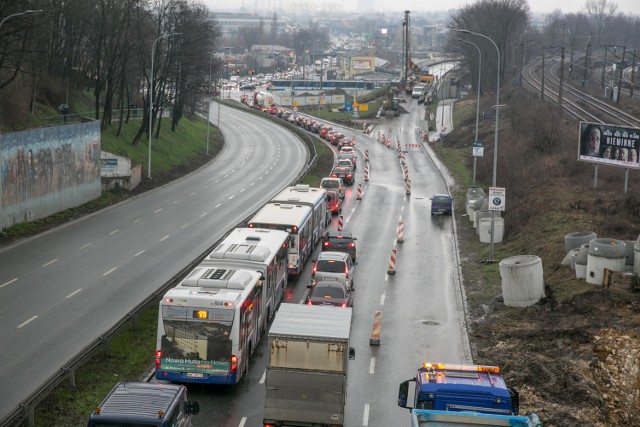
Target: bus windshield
{"type": "Point", "coordinates": [196, 339]}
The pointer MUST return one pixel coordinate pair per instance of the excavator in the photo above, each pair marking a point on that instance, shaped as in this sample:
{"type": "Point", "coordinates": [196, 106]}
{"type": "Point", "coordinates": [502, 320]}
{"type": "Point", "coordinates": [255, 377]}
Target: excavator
{"type": "Point", "coordinates": [391, 105]}
{"type": "Point", "coordinates": [422, 74]}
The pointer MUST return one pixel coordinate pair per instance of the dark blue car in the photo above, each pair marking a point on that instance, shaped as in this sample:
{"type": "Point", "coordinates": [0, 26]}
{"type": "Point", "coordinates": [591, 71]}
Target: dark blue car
{"type": "Point", "coordinates": [441, 203]}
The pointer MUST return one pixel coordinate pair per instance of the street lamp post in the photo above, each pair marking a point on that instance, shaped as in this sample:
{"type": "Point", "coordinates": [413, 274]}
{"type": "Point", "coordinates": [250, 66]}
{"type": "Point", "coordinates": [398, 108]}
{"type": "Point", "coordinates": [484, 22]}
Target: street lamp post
{"type": "Point", "coordinates": [209, 102]}
{"type": "Point", "coordinates": [153, 48]}
{"type": "Point", "coordinates": [495, 143]}
{"type": "Point", "coordinates": [475, 158]}
{"type": "Point", "coordinates": [1, 198]}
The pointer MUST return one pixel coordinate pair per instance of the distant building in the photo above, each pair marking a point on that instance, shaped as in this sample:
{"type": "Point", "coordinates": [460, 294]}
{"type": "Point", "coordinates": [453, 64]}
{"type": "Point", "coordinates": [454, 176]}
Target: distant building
{"type": "Point", "coordinates": [352, 63]}
{"type": "Point", "coordinates": [234, 23]}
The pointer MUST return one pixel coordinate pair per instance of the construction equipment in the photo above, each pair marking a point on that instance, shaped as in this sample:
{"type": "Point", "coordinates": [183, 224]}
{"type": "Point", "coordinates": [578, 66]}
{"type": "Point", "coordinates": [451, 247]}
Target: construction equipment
{"type": "Point", "coordinates": [392, 104]}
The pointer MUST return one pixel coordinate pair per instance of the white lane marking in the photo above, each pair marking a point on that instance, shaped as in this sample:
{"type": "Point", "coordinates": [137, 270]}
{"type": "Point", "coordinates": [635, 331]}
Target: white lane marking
{"type": "Point", "coordinates": [231, 197]}
{"type": "Point", "coordinates": [114, 232]}
{"type": "Point", "coordinates": [382, 297]}
{"type": "Point", "coordinates": [141, 252]}
{"type": "Point", "coordinates": [137, 220]}
{"type": "Point", "coordinates": [205, 187]}
{"type": "Point", "coordinates": [84, 246]}
{"type": "Point", "coordinates": [185, 225]}
{"type": "Point", "coordinates": [242, 190]}
{"type": "Point", "coordinates": [27, 321]}
{"type": "Point", "coordinates": [253, 183]}
{"type": "Point", "coordinates": [192, 194]}
{"type": "Point", "coordinates": [226, 176]}
{"type": "Point", "coordinates": [9, 282]}
{"type": "Point", "coordinates": [175, 202]}
{"type": "Point", "coordinates": [260, 178]}
{"type": "Point", "coordinates": [218, 205]}
{"type": "Point", "coordinates": [164, 238]}
{"type": "Point", "coordinates": [106, 273]}
{"type": "Point", "coordinates": [203, 214]}
{"type": "Point", "coordinates": [365, 416]}
{"type": "Point", "coordinates": [263, 377]}
{"type": "Point", "coordinates": [372, 365]}
{"type": "Point", "coordinates": [216, 181]}
{"type": "Point", "coordinates": [159, 210]}
{"type": "Point", "coordinates": [242, 421]}
{"type": "Point", "coordinates": [50, 262]}
{"type": "Point", "coordinates": [73, 293]}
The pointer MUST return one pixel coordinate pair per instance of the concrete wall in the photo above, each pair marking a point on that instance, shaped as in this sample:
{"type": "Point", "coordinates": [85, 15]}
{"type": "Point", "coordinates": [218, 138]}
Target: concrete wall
{"type": "Point", "coordinates": [44, 171]}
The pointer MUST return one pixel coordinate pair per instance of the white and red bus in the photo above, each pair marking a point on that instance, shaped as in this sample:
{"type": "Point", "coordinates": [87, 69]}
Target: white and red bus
{"type": "Point", "coordinates": [208, 326]}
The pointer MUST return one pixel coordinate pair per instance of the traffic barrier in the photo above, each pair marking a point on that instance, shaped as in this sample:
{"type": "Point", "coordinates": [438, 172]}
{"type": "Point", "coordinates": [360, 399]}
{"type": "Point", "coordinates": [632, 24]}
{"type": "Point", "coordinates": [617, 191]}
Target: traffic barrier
{"type": "Point", "coordinates": [340, 221]}
{"type": "Point", "coordinates": [408, 192]}
{"type": "Point", "coordinates": [401, 232]}
{"type": "Point", "coordinates": [375, 332]}
{"type": "Point", "coordinates": [406, 171]}
{"type": "Point", "coordinates": [366, 155]}
{"type": "Point", "coordinates": [359, 191]}
{"type": "Point", "coordinates": [379, 136]}
{"type": "Point", "coordinates": [407, 146]}
{"type": "Point", "coordinates": [366, 172]}
{"type": "Point", "coordinates": [392, 262]}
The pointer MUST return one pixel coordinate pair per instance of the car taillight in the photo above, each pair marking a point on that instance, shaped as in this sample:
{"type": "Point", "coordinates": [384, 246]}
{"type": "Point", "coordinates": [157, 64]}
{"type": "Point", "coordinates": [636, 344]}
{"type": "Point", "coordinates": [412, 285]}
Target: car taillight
{"type": "Point", "coordinates": [234, 364]}
{"type": "Point", "coordinates": [348, 175]}
{"type": "Point", "coordinates": [158, 357]}
{"type": "Point", "coordinates": [313, 272]}
{"type": "Point", "coordinates": [346, 271]}
{"type": "Point", "coordinates": [327, 244]}
{"type": "Point", "coordinates": [352, 245]}
{"type": "Point", "coordinates": [309, 303]}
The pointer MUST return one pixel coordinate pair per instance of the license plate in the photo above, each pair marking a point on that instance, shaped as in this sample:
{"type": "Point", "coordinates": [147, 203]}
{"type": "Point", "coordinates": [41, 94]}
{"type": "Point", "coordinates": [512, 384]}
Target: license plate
{"type": "Point", "coordinates": [194, 375]}
{"type": "Point", "coordinates": [329, 278]}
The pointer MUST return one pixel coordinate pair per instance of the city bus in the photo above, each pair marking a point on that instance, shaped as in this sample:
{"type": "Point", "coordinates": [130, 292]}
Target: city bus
{"type": "Point", "coordinates": [295, 220]}
{"type": "Point", "coordinates": [208, 326]}
{"type": "Point", "coordinates": [258, 249]}
{"type": "Point", "coordinates": [316, 199]}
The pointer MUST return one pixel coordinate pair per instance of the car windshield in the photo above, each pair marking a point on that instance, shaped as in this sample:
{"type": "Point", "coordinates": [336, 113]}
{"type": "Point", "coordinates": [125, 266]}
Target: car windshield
{"type": "Point", "coordinates": [441, 199]}
{"type": "Point", "coordinates": [328, 291]}
{"type": "Point", "coordinates": [330, 266]}
{"type": "Point", "coordinates": [330, 184]}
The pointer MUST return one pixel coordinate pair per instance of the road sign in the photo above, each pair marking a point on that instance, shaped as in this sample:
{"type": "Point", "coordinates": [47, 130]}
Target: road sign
{"type": "Point", "coordinates": [364, 107]}
{"type": "Point", "coordinates": [322, 99]}
{"type": "Point", "coordinates": [497, 197]}
{"type": "Point", "coordinates": [348, 107]}
{"type": "Point", "coordinates": [355, 104]}
{"type": "Point", "coordinates": [478, 149]}
{"type": "Point", "coordinates": [295, 103]}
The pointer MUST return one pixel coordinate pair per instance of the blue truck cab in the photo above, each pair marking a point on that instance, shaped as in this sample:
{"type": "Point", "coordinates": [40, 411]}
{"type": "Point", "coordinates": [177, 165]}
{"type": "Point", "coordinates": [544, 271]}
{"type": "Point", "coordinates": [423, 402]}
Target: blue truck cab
{"type": "Point", "coordinates": [449, 387]}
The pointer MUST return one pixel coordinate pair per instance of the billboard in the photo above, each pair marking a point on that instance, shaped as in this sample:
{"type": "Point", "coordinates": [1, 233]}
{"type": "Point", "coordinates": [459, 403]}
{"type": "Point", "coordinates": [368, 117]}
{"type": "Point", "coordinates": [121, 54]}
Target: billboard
{"type": "Point", "coordinates": [609, 145]}
{"type": "Point", "coordinates": [361, 64]}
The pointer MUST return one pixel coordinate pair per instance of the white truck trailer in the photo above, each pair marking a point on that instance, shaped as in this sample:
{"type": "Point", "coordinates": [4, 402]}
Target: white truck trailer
{"type": "Point", "coordinates": [306, 381]}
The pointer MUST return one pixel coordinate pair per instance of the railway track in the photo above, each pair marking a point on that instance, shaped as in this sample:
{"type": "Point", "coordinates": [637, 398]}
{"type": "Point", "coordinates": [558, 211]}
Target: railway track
{"type": "Point", "coordinates": [579, 104]}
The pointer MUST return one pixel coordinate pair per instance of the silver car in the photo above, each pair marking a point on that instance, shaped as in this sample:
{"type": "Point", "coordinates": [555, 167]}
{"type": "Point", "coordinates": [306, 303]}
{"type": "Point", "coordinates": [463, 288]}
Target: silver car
{"type": "Point", "coordinates": [336, 184]}
{"type": "Point", "coordinates": [334, 266]}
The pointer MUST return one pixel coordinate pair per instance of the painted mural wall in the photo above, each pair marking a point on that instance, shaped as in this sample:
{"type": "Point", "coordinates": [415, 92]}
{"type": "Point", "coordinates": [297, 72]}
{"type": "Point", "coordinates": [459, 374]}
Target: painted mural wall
{"type": "Point", "coordinates": [47, 170]}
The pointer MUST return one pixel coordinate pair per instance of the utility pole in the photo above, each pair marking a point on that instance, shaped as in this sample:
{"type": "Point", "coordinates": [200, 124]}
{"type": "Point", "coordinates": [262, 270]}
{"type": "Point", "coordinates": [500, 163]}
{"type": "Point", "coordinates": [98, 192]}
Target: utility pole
{"type": "Point", "coordinates": [561, 75]}
{"type": "Point", "coordinates": [604, 65]}
{"type": "Point", "coordinates": [571, 59]}
{"type": "Point", "coordinates": [624, 50]}
{"type": "Point", "coordinates": [633, 74]}
{"type": "Point", "coordinates": [586, 63]}
{"type": "Point", "coordinates": [542, 85]}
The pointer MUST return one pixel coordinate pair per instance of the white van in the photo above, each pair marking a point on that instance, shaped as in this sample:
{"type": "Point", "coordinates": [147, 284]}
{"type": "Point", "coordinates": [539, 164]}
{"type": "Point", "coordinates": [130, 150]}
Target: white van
{"type": "Point", "coordinates": [418, 91]}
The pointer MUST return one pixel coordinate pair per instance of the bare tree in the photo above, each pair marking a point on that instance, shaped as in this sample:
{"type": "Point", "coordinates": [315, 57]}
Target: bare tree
{"type": "Point", "coordinates": [503, 21]}
{"type": "Point", "coordinates": [600, 13]}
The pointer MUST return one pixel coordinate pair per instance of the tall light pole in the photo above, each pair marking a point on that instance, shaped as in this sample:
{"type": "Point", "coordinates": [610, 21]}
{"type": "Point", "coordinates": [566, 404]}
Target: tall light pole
{"type": "Point", "coordinates": [1, 199]}
{"type": "Point", "coordinates": [475, 158]}
{"type": "Point", "coordinates": [153, 49]}
{"type": "Point", "coordinates": [209, 102]}
{"type": "Point", "coordinates": [495, 143]}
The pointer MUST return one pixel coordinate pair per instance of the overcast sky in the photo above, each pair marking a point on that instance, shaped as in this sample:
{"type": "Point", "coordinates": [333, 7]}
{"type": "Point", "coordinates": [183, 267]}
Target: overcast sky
{"type": "Point", "coordinates": [629, 7]}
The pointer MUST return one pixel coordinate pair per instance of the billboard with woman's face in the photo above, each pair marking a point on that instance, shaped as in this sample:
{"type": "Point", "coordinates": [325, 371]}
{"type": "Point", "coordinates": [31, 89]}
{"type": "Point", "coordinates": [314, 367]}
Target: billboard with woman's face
{"type": "Point", "coordinates": [609, 144]}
